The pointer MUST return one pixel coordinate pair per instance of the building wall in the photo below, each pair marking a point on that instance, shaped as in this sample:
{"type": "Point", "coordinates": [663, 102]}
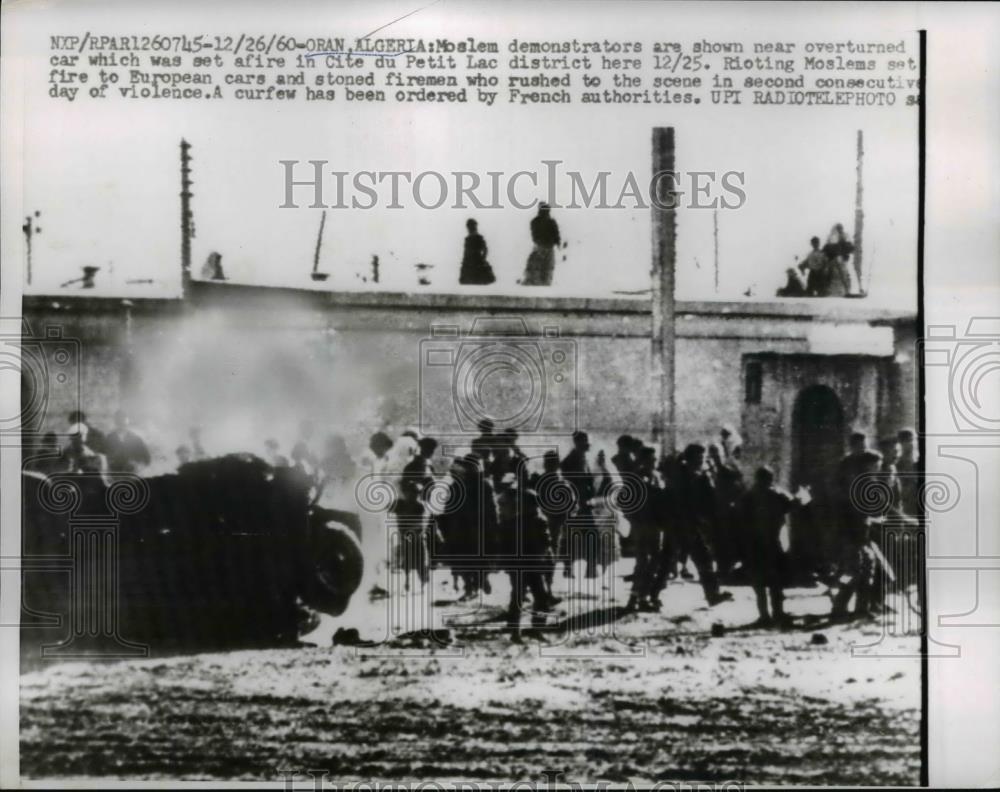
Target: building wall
{"type": "Point", "coordinates": [248, 363]}
{"type": "Point", "coordinates": [859, 382]}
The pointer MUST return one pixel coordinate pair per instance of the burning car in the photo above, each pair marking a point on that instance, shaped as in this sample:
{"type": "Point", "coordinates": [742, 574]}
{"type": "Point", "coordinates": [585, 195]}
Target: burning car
{"type": "Point", "coordinates": [226, 551]}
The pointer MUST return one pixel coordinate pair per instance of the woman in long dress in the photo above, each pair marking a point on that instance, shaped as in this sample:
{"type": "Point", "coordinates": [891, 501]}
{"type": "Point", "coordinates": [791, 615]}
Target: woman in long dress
{"type": "Point", "coordinates": [476, 270]}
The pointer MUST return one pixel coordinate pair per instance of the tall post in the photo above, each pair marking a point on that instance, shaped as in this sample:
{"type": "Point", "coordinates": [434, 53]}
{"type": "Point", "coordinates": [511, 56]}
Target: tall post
{"type": "Point", "coordinates": [186, 226]}
{"type": "Point", "coordinates": [664, 206]}
{"type": "Point", "coordinates": [319, 243]}
{"type": "Point", "coordinates": [715, 230]}
{"type": "Point", "coordinates": [859, 215]}
{"type": "Point", "coordinates": [30, 228]}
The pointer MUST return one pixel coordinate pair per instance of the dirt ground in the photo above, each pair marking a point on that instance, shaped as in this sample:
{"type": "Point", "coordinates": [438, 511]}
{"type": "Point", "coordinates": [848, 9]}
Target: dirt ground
{"type": "Point", "coordinates": [638, 697]}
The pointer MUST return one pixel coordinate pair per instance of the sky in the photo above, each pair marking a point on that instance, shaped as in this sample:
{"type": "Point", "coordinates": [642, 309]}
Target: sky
{"type": "Point", "coordinates": [105, 179]}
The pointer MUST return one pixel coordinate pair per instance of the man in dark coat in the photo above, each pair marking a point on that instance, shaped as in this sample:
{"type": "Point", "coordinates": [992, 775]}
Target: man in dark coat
{"type": "Point", "coordinates": [624, 460]}
{"type": "Point", "coordinates": [816, 270]}
{"type": "Point", "coordinates": [728, 480]}
{"type": "Point", "coordinates": [468, 523]}
{"type": "Point", "coordinates": [582, 529]}
{"type": "Point", "coordinates": [761, 512]}
{"type": "Point", "coordinates": [857, 564]}
{"type": "Point", "coordinates": [554, 501]}
{"type": "Point", "coordinates": [524, 545]}
{"type": "Point", "coordinates": [695, 501]}
{"type": "Point", "coordinates": [542, 261]}
{"type": "Point", "coordinates": [95, 437]}
{"type": "Point", "coordinates": [909, 469]}
{"type": "Point", "coordinates": [125, 450]}
{"type": "Point", "coordinates": [483, 445]}
{"type": "Point", "coordinates": [409, 519]}
{"type": "Point", "coordinates": [79, 457]}
{"type": "Point", "coordinates": [647, 533]}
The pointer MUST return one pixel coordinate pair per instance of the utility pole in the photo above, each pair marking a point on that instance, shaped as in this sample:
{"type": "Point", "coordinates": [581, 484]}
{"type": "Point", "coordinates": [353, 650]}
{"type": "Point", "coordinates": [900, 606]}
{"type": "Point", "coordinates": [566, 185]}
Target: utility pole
{"type": "Point", "coordinates": [187, 226]}
{"type": "Point", "coordinates": [859, 215]}
{"type": "Point", "coordinates": [30, 228]}
{"type": "Point", "coordinates": [664, 263]}
{"type": "Point", "coordinates": [715, 223]}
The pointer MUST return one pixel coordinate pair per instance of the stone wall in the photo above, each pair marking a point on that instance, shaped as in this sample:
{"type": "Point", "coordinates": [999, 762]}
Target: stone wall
{"type": "Point", "coordinates": [248, 363]}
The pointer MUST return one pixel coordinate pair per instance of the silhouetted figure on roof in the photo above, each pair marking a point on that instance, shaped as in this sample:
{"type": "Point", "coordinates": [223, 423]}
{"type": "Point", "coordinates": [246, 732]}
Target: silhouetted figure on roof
{"type": "Point", "coordinates": [86, 281]}
{"type": "Point", "coordinates": [824, 272]}
{"type": "Point", "coordinates": [838, 249]}
{"type": "Point", "coordinates": [542, 261]}
{"type": "Point", "coordinates": [794, 286]}
{"type": "Point", "coordinates": [815, 271]}
{"type": "Point", "coordinates": [476, 270]}
{"type": "Point", "coordinates": [212, 268]}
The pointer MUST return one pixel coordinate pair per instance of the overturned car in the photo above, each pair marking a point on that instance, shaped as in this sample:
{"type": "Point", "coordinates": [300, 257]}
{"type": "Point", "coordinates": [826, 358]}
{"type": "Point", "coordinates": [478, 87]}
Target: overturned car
{"type": "Point", "coordinates": [225, 552]}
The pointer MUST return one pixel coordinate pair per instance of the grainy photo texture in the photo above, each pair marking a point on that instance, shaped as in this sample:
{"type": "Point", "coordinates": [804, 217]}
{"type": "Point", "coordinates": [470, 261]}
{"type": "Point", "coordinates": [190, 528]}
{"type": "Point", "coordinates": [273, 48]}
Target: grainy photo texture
{"type": "Point", "coordinates": [469, 395]}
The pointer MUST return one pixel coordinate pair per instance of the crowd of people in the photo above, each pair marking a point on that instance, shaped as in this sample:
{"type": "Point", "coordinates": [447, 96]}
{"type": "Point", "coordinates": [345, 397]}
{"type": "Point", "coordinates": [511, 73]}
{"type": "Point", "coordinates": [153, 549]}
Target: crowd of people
{"type": "Point", "coordinates": [490, 510]}
{"type": "Point", "coordinates": [88, 450]}
{"type": "Point", "coordinates": [693, 507]}
{"type": "Point", "coordinates": [825, 271]}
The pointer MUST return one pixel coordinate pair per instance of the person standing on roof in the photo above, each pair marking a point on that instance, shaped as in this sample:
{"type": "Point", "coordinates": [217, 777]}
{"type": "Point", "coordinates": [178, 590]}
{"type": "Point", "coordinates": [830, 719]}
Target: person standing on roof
{"type": "Point", "coordinates": [542, 260]}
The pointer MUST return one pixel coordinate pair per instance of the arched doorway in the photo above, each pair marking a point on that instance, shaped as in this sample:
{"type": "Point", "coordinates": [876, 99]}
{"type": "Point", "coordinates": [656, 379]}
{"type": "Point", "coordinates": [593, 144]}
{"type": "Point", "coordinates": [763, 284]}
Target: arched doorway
{"type": "Point", "coordinates": [818, 442]}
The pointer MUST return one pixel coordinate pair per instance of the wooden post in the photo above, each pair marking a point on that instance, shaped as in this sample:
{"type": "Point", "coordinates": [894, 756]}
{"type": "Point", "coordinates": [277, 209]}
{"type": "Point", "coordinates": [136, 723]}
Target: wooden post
{"type": "Point", "coordinates": [318, 276]}
{"type": "Point", "coordinates": [186, 230]}
{"type": "Point", "coordinates": [30, 228]}
{"type": "Point", "coordinates": [859, 216]}
{"type": "Point", "coordinates": [715, 230]}
{"type": "Point", "coordinates": [664, 206]}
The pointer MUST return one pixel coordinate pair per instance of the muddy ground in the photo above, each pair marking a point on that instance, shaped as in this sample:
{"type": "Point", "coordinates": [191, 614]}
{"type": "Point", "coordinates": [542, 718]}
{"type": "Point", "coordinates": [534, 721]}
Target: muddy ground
{"type": "Point", "coordinates": [640, 697]}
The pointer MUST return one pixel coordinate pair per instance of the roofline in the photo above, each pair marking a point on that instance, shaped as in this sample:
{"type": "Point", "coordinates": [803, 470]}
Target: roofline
{"type": "Point", "coordinates": [829, 309]}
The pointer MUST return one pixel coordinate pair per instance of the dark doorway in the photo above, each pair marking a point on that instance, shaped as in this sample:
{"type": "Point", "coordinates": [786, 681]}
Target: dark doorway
{"type": "Point", "coordinates": [818, 442]}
